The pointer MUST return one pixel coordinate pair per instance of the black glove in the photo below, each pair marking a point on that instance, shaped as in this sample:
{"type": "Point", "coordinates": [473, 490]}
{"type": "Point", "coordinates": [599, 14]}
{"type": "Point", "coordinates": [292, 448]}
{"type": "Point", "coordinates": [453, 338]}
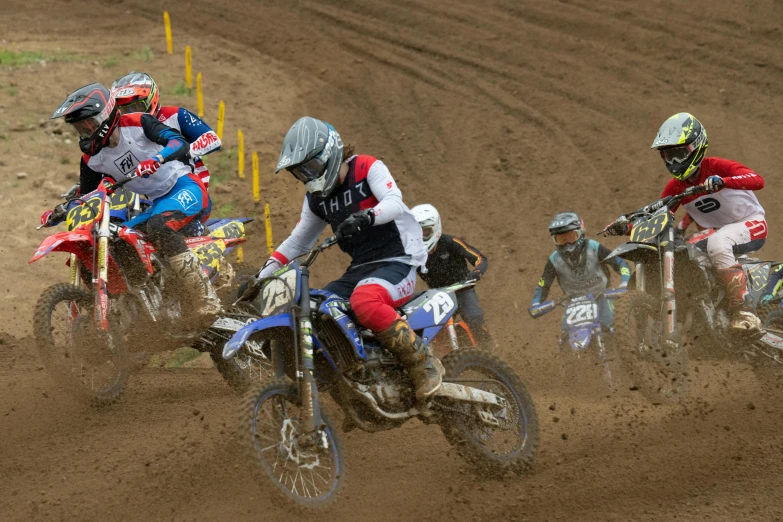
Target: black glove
{"type": "Point", "coordinates": [621, 227]}
{"type": "Point", "coordinates": [475, 275]}
{"type": "Point", "coordinates": [355, 223]}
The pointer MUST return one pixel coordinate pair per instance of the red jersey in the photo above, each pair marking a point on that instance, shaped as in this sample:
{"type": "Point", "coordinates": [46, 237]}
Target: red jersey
{"type": "Point", "coordinates": [735, 202]}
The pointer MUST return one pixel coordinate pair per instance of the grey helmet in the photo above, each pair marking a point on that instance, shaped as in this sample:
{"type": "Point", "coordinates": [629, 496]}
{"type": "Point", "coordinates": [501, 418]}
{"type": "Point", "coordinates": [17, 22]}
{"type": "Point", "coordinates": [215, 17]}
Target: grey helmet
{"type": "Point", "coordinates": [313, 153]}
{"type": "Point", "coordinates": [568, 233]}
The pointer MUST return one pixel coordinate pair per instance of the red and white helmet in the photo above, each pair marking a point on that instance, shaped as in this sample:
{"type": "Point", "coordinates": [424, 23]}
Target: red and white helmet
{"type": "Point", "coordinates": [136, 92]}
{"type": "Point", "coordinates": [431, 228]}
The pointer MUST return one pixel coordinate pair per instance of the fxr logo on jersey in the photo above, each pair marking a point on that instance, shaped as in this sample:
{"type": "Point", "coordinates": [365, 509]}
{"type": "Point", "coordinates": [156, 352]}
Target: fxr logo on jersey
{"type": "Point", "coordinates": [186, 198]}
{"type": "Point", "coordinates": [126, 163]}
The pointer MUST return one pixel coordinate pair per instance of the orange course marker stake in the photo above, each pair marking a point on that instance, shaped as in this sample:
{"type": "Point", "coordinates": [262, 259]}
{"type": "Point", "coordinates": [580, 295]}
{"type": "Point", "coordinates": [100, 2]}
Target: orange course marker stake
{"type": "Point", "coordinates": [167, 23]}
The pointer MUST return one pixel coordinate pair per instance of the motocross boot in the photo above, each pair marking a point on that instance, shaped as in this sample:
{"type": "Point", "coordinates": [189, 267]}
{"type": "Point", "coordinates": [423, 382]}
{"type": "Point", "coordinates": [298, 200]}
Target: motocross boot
{"type": "Point", "coordinates": [425, 371]}
{"type": "Point", "coordinates": [200, 296]}
{"type": "Point", "coordinates": [735, 281]}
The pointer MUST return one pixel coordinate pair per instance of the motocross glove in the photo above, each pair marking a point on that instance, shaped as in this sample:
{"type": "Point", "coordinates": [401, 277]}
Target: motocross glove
{"type": "Point", "coordinates": [713, 184]}
{"type": "Point", "coordinates": [766, 299]}
{"type": "Point", "coordinates": [147, 167]}
{"type": "Point", "coordinates": [475, 275]}
{"type": "Point", "coordinates": [355, 223]}
{"type": "Point", "coordinates": [621, 227]}
{"type": "Point", "coordinates": [52, 217]}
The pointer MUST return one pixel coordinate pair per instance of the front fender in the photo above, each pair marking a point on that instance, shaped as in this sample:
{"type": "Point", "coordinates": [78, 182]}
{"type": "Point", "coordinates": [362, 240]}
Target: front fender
{"type": "Point", "coordinates": [63, 242]}
{"type": "Point", "coordinates": [634, 252]}
{"type": "Point", "coordinates": [240, 338]}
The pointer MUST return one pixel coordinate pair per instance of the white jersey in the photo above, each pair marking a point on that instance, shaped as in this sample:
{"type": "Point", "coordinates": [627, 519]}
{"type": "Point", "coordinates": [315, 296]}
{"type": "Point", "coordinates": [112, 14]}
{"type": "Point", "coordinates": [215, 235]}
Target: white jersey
{"type": "Point", "coordinates": [724, 208]}
{"type": "Point", "coordinates": [134, 147]}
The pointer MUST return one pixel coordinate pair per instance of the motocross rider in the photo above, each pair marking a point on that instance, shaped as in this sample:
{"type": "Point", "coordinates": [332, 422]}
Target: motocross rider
{"type": "Point", "coordinates": [138, 92]}
{"type": "Point", "coordinates": [578, 265]}
{"type": "Point", "coordinates": [447, 264]}
{"type": "Point", "coordinates": [358, 197]}
{"type": "Point", "coordinates": [119, 145]}
{"type": "Point", "coordinates": [730, 207]}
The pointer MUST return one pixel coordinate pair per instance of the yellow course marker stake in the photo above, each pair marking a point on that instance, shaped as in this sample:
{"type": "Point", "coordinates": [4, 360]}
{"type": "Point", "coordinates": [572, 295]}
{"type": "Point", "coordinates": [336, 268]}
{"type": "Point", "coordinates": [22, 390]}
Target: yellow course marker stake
{"type": "Point", "coordinates": [240, 255]}
{"type": "Point", "coordinates": [221, 117]}
{"type": "Point", "coordinates": [241, 154]}
{"type": "Point", "coordinates": [256, 188]}
{"type": "Point", "coordinates": [167, 23]}
{"type": "Point", "coordinates": [199, 96]}
{"type": "Point", "coordinates": [188, 68]}
{"type": "Point", "coordinates": [268, 223]}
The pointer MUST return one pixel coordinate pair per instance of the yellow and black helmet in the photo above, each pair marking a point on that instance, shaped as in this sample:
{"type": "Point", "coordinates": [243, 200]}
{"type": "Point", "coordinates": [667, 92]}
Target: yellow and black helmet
{"type": "Point", "coordinates": [682, 142]}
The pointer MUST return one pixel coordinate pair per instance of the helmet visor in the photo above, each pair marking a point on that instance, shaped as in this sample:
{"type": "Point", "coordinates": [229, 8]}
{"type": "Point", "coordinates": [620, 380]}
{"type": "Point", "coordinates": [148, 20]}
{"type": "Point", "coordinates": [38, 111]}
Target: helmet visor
{"type": "Point", "coordinates": [308, 171]}
{"type": "Point", "coordinates": [427, 232]}
{"type": "Point", "coordinates": [678, 154]}
{"type": "Point", "coordinates": [566, 238]}
{"type": "Point", "coordinates": [87, 127]}
{"type": "Point", "coordinates": [134, 106]}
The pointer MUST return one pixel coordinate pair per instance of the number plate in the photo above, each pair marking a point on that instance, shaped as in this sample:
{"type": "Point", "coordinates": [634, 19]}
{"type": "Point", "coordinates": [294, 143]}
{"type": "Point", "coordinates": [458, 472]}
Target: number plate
{"type": "Point", "coordinates": [648, 229]}
{"type": "Point", "coordinates": [123, 198]}
{"type": "Point", "coordinates": [581, 312]}
{"type": "Point", "coordinates": [211, 253]}
{"type": "Point", "coordinates": [278, 294]}
{"type": "Point", "coordinates": [81, 216]}
{"type": "Point", "coordinates": [231, 230]}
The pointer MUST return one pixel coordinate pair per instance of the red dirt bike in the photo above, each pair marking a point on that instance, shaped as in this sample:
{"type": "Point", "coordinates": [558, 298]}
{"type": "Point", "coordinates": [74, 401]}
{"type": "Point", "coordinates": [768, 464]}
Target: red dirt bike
{"type": "Point", "coordinates": [123, 296]}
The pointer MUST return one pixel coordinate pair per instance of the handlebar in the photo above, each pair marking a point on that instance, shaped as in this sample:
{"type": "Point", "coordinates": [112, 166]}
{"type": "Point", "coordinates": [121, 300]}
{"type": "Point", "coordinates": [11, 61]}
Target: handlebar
{"type": "Point", "coordinates": [544, 308]}
{"type": "Point", "coordinates": [667, 201]}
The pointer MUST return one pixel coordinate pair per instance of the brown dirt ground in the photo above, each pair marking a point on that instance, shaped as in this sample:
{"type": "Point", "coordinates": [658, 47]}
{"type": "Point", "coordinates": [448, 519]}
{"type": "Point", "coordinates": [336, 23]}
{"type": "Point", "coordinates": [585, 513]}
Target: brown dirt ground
{"type": "Point", "coordinates": [500, 113]}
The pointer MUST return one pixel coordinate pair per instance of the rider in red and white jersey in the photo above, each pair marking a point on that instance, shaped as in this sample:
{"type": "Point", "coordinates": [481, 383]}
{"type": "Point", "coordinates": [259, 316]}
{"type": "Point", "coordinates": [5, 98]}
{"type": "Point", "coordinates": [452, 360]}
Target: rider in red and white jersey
{"type": "Point", "coordinates": [730, 206]}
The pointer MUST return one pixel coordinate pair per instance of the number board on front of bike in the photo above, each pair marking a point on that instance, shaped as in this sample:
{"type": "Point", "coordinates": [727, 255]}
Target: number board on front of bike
{"type": "Point", "coordinates": [84, 214]}
{"type": "Point", "coordinates": [123, 198]}
{"type": "Point", "coordinates": [278, 294]}
{"type": "Point", "coordinates": [647, 230]}
{"type": "Point", "coordinates": [231, 230]}
{"type": "Point", "coordinates": [581, 311]}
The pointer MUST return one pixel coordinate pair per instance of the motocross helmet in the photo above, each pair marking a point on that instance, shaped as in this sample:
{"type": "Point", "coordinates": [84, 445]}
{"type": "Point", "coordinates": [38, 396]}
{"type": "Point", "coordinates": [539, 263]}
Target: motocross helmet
{"type": "Point", "coordinates": [92, 112]}
{"type": "Point", "coordinates": [136, 92]}
{"type": "Point", "coordinates": [431, 228]}
{"type": "Point", "coordinates": [568, 233]}
{"type": "Point", "coordinates": [682, 142]}
{"type": "Point", "coordinates": [313, 153]}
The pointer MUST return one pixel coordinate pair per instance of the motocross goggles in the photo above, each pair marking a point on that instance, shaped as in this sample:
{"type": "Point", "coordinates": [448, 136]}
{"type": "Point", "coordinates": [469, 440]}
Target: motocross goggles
{"type": "Point", "coordinates": [678, 154]}
{"type": "Point", "coordinates": [427, 232]}
{"type": "Point", "coordinates": [566, 238]}
{"type": "Point", "coordinates": [87, 127]}
{"type": "Point", "coordinates": [134, 106]}
{"type": "Point", "coordinates": [308, 171]}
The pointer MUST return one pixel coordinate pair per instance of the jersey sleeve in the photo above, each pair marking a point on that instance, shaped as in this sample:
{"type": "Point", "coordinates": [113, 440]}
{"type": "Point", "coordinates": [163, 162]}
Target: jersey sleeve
{"type": "Point", "coordinates": [385, 190]}
{"type": "Point", "coordinates": [303, 237]}
{"type": "Point", "coordinates": [545, 283]}
{"type": "Point", "coordinates": [735, 175]}
{"type": "Point", "coordinates": [203, 140]}
{"type": "Point", "coordinates": [617, 263]}
{"type": "Point", "coordinates": [175, 146]}
{"type": "Point", "coordinates": [471, 254]}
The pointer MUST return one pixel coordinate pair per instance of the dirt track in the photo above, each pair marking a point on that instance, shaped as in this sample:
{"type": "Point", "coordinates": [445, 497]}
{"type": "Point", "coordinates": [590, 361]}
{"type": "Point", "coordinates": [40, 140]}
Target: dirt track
{"type": "Point", "coordinates": [500, 113]}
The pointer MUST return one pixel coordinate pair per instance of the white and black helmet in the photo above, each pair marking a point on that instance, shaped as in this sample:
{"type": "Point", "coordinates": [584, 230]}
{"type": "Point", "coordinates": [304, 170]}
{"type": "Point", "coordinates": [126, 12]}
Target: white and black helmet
{"type": "Point", "coordinates": [313, 153]}
{"type": "Point", "coordinates": [431, 228]}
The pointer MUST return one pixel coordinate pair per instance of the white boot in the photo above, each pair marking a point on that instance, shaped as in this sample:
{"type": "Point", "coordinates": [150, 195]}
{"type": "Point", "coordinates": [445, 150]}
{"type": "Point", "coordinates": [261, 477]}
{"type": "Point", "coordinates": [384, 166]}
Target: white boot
{"type": "Point", "coordinates": [744, 320]}
{"type": "Point", "coordinates": [200, 297]}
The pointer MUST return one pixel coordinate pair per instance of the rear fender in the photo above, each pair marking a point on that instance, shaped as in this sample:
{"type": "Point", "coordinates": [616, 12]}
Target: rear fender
{"type": "Point", "coordinates": [71, 242]}
{"type": "Point", "coordinates": [240, 338]}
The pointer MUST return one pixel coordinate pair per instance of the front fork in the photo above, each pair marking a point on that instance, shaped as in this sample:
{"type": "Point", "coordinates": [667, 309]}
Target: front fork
{"type": "Point", "coordinates": [452, 334]}
{"type": "Point", "coordinates": [308, 391]}
{"type": "Point", "coordinates": [101, 270]}
{"type": "Point", "coordinates": [670, 306]}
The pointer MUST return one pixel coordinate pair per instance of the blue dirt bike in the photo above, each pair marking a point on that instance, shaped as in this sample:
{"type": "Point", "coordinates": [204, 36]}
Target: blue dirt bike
{"type": "Point", "coordinates": [312, 337]}
{"type": "Point", "coordinates": [582, 329]}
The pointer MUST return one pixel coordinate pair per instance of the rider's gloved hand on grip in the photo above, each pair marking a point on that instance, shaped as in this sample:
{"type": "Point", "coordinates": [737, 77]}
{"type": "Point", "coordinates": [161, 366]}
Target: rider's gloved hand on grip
{"type": "Point", "coordinates": [45, 217]}
{"type": "Point", "coordinates": [355, 223]}
{"type": "Point", "coordinates": [621, 227]}
{"type": "Point", "coordinates": [475, 275]}
{"type": "Point", "coordinates": [766, 299]}
{"type": "Point", "coordinates": [713, 184]}
{"type": "Point", "coordinates": [147, 168]}
{"type": "Point", "coordinates": [52, 217]}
